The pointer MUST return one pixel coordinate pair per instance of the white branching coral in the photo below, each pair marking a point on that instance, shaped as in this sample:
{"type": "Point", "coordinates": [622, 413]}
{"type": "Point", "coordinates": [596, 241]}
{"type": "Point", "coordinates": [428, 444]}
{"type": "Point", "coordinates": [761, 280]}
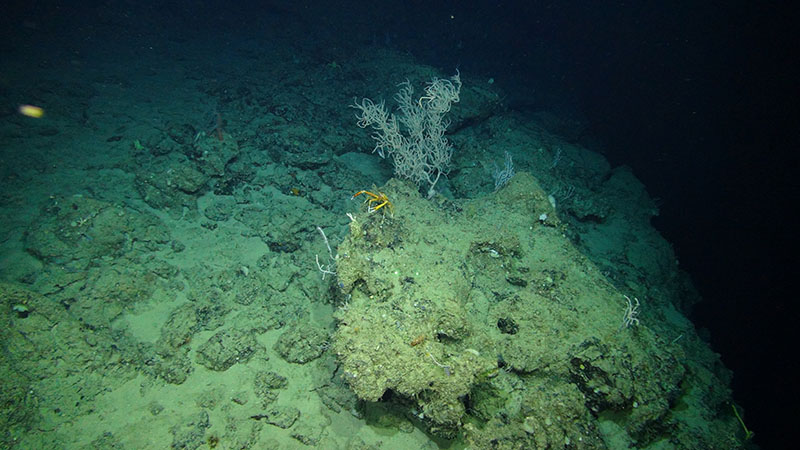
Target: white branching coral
{"type": "Point", "coordinates": [414, 138]}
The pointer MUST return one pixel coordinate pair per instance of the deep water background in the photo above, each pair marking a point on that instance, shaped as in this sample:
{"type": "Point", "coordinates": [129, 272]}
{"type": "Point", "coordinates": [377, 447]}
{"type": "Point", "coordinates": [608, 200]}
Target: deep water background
{"type": "Point", "coordinates": [699, 100]}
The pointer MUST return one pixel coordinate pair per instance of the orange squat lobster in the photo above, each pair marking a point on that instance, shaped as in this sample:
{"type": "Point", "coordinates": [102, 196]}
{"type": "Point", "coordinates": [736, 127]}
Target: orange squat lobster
{"type": "Point", "coordinates": [379, 198]}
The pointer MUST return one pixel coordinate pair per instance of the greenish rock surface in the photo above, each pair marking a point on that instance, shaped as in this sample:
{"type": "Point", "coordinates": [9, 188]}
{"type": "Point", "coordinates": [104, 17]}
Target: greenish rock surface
{"type": "Point", "coordinates": [485, 319]}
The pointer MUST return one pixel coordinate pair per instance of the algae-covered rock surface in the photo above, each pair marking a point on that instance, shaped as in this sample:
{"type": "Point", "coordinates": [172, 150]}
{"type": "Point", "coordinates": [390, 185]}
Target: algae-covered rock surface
{"type": "Point", "coordinates": [484, 319]}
